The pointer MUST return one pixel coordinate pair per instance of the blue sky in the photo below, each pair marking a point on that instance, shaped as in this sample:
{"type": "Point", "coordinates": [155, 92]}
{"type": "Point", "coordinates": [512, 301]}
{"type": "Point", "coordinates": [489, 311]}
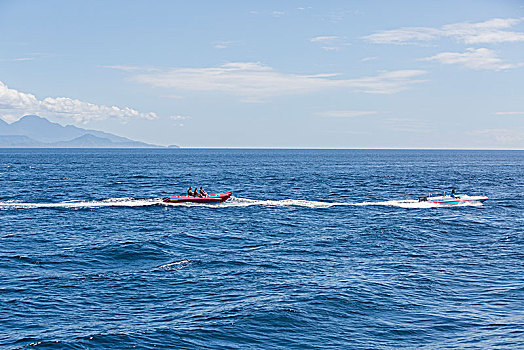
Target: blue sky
{"type": "Point", "coordinates": [307, 74]}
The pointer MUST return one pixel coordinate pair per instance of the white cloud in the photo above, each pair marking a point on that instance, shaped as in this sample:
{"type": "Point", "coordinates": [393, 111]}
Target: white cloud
{"type": "Point", "coordinates": [13, 99]}
{"type": "Point", "coordinates": [411, 125]}
{"type": "Point", "coordinates": [330, 43]}
{"type": "Point", "coordinates": [175, 97]}
{"type": "Point", "coordinates": [331, 48]}
{"type": "Point", "coordinates": [254, 81]}
{"type": "Point", "coordinates": [491, 31]}
{"type": "Point", "coordinates": [178, 117]}
{"type": "Point", "coordinates": [403, 35]}
{"type": "Point", "coordinates": [129, 68]}
{"type": "Point", "coordinates": [339, 15]}
{"type": "Point", "coordinates": [474, 58]}
{"type": "Point", "coordinates": [323, 39]}
{"type": "Point", "coordinates": [484, 32]}
{"type": "Point", "coordinates": [14, 102]}
{"type": "Point", "coordinates": [220, 45]}
{"type": "Point", "coordinates": [384, 83]}
{"type": "Point", "coordinates": [509, 113]}
{"type": "Point", "coordinates": [347, 113]}
{"type": "Point", "coordinates": [503, 136]}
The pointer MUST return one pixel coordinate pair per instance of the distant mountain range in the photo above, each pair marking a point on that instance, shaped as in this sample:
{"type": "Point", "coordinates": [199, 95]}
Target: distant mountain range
{"type": "Point", "coordinates": [32, 131]}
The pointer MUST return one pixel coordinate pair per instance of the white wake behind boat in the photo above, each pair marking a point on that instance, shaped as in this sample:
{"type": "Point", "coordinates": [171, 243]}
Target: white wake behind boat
{"type": "Point", "coordinates": [452, 200]}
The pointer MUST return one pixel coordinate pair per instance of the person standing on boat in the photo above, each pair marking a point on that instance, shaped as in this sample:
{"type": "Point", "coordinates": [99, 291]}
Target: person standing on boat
{"type": "Point", "coordinates": [202, 192]}
{"type": "Point", "coordinates": [452, 193]}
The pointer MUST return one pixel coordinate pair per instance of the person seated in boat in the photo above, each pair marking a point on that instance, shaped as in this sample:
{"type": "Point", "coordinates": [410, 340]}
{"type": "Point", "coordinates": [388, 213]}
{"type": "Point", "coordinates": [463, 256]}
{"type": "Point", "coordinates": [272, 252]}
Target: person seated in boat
{"type": "Point", "coordinates": [202, 192]}
{"type": "Point", "coordinates": [195, 192]}
{"type": "Point", "coordinates": [190, 191]}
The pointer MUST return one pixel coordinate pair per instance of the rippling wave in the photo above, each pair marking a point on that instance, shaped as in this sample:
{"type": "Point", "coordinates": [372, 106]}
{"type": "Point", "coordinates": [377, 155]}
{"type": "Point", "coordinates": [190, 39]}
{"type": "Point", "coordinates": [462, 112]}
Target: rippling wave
{"type": "Point", "coordinates": [317, 249]}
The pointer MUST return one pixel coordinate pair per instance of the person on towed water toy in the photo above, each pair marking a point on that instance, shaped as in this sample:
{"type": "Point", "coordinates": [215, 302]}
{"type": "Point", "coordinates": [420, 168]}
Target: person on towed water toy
{"type": "Point", "coordinates": [190, 191]}
{"type": "Point", "coordinates": [202, 192]}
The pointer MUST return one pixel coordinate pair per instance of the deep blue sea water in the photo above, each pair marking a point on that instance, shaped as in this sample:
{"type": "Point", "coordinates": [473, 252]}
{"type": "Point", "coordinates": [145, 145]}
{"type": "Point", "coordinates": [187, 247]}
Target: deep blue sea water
{"type": "Point", "coordinates": [317, 249]}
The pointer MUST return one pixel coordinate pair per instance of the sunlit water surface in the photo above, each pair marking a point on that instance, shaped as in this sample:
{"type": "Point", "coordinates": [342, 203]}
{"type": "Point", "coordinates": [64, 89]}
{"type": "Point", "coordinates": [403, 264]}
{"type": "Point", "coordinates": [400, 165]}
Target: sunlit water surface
{"type": "Point", "coordinates": [316, 249]}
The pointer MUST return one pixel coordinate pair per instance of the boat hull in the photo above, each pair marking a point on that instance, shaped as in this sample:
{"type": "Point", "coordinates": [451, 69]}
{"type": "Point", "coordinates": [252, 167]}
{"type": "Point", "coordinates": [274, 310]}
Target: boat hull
{"type": "Point", "coordinates": [448, 200]}
{"type": "Point", "coordinates": [212, 198]}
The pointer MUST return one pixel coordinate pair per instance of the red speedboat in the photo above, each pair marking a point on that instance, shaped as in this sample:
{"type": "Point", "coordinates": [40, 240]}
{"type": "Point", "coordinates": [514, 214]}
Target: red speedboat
{"type": "Point", "coordinates": [212, 198]}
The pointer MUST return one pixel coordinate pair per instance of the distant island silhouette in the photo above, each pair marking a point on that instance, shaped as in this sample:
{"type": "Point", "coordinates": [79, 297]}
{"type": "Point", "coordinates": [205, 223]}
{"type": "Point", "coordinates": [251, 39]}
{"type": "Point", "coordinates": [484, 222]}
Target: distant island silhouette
{"type": "Point", "coordinates": [32, 131]}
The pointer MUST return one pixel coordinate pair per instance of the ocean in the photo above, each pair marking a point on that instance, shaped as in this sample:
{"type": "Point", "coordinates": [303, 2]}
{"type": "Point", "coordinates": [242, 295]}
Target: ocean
{"type": "Point", "coordinates": [316, 249]}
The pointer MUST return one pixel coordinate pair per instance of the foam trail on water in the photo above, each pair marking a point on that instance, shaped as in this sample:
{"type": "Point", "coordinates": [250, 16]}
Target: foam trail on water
{"type": "Point", "coordinates": [176, 264]}
{"type": "Point", "coordinates": [232, 202]}
{"type": "Point", "coordinates": [111, 202]}
{"type": "Point", "coordinates": [246, 202]}
{"type": "Point", "coordinates": [319, 204]}
{"type": "Point", "coordinates": [414, 204]}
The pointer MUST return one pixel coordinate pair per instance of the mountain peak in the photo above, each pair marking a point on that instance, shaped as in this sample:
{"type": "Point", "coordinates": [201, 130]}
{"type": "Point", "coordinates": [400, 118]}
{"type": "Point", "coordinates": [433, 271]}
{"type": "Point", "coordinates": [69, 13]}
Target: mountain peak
{"type": "Point", "coordinates": [31, 117]}
{"type": "Point", "coordinates": [55, 135]}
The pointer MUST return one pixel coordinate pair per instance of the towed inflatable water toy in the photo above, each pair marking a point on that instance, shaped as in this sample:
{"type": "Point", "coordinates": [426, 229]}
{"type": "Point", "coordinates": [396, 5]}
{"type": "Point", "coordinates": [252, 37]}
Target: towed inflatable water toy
{"type": "Point", "coordinates": [452, 200]}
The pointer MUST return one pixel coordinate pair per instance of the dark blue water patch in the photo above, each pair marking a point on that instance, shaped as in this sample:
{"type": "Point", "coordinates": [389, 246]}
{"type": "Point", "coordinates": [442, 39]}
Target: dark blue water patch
{"type": "Point", "coordinates": [91, 258]}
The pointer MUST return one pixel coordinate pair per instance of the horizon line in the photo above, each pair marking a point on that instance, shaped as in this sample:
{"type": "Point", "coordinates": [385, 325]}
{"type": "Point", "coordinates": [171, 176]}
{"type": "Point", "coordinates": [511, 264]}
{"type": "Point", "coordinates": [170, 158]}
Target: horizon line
{"type": "Point", "coordinates": [285, 148]}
